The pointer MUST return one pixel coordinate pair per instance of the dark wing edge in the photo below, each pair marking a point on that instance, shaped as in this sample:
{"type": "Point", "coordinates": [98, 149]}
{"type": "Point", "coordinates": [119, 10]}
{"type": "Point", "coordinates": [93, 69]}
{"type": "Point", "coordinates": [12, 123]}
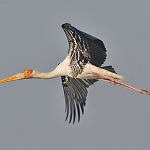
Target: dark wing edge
{"type": "Point", "coordinates": [109, 68]}
{"type": "Point", "coordinates": [88, 47]}
{"type": "Point", "coordinates": [96, 48]}
{"type": "Point", "coordinates": [75, 92]}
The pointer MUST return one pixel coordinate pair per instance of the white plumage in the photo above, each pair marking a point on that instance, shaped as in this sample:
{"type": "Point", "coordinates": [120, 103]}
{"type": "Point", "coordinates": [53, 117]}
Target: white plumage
{"type": "Point", "coordinates": [80, 69]}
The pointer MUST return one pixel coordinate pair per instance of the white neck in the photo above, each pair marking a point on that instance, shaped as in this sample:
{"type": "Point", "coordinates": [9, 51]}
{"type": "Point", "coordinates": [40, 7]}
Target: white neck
{"type": "Point", "coordinates": [48, 75]}
{"type": "Point", "coordinates": [61, 70]}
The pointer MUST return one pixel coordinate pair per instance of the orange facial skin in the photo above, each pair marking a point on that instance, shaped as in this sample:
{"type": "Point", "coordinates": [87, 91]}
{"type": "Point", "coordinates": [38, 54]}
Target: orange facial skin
{"type": "Point", "coordinates": [27, 73]}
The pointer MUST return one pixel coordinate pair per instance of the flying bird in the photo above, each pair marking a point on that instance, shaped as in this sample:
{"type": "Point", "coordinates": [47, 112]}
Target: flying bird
{"type": "Point", "coordinates": [80, 69]}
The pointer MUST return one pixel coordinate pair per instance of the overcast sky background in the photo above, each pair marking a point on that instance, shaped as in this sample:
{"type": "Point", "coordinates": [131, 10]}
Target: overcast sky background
{"type": "Point", "coordinates": [32, 111]}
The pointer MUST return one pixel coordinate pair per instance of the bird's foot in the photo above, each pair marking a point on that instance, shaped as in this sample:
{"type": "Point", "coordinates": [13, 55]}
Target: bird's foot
{"type": "Point", "coordinates": [145, 92]}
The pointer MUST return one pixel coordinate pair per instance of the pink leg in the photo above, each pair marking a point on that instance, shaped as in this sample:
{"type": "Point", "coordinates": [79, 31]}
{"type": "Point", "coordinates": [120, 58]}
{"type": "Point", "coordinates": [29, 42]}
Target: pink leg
{"type": "Point", "coordinates": [114, 81]}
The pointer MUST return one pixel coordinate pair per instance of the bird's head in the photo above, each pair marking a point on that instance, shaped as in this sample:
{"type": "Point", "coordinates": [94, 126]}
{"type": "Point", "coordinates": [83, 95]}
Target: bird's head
{"type": "Point", "coordinates": [26, 74]}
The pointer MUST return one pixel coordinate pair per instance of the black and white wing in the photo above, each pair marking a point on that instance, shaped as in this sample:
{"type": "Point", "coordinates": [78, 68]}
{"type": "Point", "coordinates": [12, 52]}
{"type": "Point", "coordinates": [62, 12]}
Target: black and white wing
{"type": "Point", "coordinates": [83, 48]}
{"type": "Point", "coordinates": [75, 92]}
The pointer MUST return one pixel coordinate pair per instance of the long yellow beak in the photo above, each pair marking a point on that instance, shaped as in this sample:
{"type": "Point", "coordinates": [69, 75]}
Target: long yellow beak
{"type": "Point", "coordinates": [26, 74]}
{"type": "Point", "coordinates": [18, 76]}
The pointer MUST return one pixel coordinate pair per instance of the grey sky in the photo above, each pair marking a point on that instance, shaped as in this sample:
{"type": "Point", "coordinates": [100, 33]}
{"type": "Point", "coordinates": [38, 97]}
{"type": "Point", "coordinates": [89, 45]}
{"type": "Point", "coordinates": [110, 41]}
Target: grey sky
{"type": "Point", "coordinates": [32, 111]}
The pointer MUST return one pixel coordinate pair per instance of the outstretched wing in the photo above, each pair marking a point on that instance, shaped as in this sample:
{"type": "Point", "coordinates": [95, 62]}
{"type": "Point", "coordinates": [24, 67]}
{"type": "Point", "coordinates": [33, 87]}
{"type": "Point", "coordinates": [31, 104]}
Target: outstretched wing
{"type": "Point", "coordinates": [75, 92]}
{"type": "Point", "coordinates": [83, 48]}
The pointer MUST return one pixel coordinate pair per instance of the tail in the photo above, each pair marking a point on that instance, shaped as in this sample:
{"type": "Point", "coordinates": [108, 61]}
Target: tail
{"type": "Point", "coordinates": [109, 68]}
{"type": "Point", "coordinates": [112, 70]}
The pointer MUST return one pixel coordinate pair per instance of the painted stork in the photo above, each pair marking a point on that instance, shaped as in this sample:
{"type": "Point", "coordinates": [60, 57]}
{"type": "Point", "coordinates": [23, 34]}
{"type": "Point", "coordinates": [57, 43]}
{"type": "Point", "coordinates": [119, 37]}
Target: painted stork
{"type": "Point", "coordinates": [80, 69]}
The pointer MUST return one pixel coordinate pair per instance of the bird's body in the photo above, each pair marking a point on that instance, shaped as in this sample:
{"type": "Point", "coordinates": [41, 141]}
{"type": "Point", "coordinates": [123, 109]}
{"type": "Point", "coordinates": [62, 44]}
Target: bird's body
{"type": "Point", "coordinates": [63, 69]}
{"type": "Point", "coordinates": [80, 69]}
